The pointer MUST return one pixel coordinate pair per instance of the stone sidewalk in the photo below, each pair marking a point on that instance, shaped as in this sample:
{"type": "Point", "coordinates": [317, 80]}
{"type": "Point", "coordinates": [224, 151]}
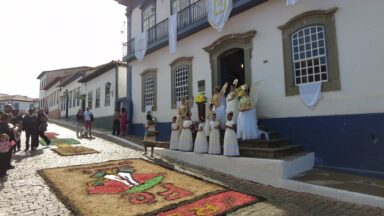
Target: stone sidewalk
{"type": "Point", "coordinates": [25, 193]}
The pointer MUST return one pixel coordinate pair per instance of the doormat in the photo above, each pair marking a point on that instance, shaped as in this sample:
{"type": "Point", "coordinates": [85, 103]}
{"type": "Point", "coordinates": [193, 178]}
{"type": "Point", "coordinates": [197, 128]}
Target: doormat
{"type": "Point", "coordinates": [51, 135]}
{"type": "Point", "coordinates": [139, 187]}
{"type": "Point", "coordinates": [73, 150]}
{"type": "Point", "coordinates": [70, 141]}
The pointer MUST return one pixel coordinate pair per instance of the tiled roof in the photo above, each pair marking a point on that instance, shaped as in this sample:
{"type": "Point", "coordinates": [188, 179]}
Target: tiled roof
{"type": "Point", "coordinates": [71, 70]}
{"type": "Point", "coordinates": [99, 70]}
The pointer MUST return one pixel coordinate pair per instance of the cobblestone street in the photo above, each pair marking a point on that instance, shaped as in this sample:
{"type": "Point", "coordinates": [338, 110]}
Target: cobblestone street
{"type": "Point", "coordinates": [24, 192]}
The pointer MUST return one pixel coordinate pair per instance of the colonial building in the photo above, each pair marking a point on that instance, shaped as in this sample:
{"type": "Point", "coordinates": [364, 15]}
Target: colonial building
{"type": "Point", "coordinates": [337, 43]}
{"type": "Point", "coordinates": [104, 90]}
{"type": "Point", "coordinates": [49, 81]}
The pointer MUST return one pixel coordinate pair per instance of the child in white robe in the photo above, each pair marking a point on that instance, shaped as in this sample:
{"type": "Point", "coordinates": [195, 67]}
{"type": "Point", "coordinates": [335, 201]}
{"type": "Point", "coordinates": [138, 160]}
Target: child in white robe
{"type": "Point", "coordinates": [214, 136]}
{"type": "Point", "coordinates": [231, 147]}
{"type": "Point", "coordinates": [185, 141]}
{"type": "Point", "coordinates": [201, 144]}
{"type": "Point", "coordinates": [175, 134]}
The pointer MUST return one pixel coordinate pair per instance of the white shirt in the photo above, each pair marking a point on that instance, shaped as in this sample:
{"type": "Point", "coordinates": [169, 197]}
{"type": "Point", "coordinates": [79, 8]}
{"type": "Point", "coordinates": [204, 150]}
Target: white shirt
{"type": "Point", "coordinates": [87, 115]}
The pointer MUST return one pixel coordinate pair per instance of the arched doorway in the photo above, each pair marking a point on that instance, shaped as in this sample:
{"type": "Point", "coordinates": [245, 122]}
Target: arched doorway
{"type": "Point", "coordinates": [231, 66]}
{"type": "Point", "coordinates": [230, 58]}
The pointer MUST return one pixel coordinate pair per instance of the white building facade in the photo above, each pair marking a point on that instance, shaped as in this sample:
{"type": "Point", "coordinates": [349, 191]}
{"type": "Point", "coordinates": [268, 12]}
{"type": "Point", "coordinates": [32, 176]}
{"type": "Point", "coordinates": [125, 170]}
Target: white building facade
{"type": "Point", "coordinates": [337, 43]}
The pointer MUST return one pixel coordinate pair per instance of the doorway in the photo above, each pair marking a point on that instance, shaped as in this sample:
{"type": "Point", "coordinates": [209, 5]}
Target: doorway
{"type": "Point", "coordinates": [232, 67]}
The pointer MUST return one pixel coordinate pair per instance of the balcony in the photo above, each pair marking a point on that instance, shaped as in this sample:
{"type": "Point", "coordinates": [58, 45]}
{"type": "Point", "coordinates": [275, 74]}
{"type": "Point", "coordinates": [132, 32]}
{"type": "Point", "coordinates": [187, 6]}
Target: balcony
{"type": "Point", "coordinates": [189, 20]}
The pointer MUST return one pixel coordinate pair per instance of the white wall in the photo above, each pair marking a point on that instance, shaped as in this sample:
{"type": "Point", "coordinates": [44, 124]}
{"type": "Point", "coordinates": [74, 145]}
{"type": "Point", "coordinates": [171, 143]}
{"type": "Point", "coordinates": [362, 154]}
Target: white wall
{"type": "Point", "coordinates": [99, 82]}
{"type": "Point", "coordinates": [122, 81]}
{"type": "Point", "coordinates": [72, 86]}
{"type": "Point", "coordinates": [54, 105]}
{"type": "Point", "coordinates": [359, 37]}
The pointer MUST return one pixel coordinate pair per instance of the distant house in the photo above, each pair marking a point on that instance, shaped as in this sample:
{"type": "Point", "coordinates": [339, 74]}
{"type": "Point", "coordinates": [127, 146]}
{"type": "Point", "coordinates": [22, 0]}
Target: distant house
{"type": "Point", "coordinates": [22, 103]}
{"type": "Point", "coordinates": [49, 92]}
{"type": "Point", "coordinates": [335, 43]}
{"type": "Point", "coordinates": [104, 89]}
{"type": "Point", "coordinates": [101, 88]}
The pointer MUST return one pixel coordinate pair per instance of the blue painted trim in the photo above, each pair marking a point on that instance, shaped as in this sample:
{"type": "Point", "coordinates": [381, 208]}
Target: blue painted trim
{"type": "Point", "coordinates": [346, 143]}
{"type": "Point", "coordinates": [351, 143]}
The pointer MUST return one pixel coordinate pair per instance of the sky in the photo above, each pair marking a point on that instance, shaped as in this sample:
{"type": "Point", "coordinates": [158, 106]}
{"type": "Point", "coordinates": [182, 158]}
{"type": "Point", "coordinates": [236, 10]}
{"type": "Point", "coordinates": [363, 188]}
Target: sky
{"type": "Point", "coordinates": [40, 35]}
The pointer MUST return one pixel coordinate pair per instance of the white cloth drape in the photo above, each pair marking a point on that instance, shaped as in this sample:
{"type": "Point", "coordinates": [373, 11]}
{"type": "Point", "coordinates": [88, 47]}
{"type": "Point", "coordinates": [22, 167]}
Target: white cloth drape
{"type": "Point", "coordinates": [310, 94]}
{"type": "Point", "coordinates": [218, 13]}
{"type": "Point", "coordinates": [141, 42]}
{"type": "Point", "coordinates": [172, 33]}
{"type": "Point", "coordinates": [293, 2]}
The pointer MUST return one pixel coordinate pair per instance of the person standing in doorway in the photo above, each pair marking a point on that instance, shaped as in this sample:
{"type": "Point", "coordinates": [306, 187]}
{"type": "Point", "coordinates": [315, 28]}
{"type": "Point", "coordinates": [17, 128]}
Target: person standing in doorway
{"type": "Point", "coordinates": [123, 122]}
{"type": "Point", "coordinates": [116, 123]}
{"type": "Point", "coordinates": [80, 122]}
{"type": "Point", "coordinates": [42, 120]}
{"type": "Point", "coordinates": [88, 119]}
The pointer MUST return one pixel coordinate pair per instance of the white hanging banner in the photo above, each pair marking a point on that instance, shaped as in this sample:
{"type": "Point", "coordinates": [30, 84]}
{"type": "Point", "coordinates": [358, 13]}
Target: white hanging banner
{"type": "Point", "coordinates": [310, 94]}
{"type": "Point", "coordinates": [293, 2]}
{"type": "Point", "coordinates": [141, 42]}
{"type": "Point", "coordinates": [172, 33]}
{"type": "Point", "coordinates": [218, 13]}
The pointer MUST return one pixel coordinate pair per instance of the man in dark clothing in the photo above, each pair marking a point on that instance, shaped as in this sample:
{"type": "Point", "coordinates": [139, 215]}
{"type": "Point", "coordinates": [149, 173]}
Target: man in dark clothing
{"type": "Point", "coordinates": [7, 128]}
{"type": "Point", "coordinates": [42, 120]}
{"type": "Point", "coordinates": [30, 127]}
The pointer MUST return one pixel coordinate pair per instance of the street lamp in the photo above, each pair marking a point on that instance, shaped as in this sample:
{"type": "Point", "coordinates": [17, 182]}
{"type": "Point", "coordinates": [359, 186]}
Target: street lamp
{"type": "Point", "coordinates": [66, 104]}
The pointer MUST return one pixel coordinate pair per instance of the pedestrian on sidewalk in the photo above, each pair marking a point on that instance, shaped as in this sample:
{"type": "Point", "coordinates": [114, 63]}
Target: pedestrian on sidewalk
{"type": "Point", "coordinates": [42, 120]}
{"type": "Point", "coordinates": [80, 122]}
{"type": "Point", "coordinates": [5, 147]}
{"type": "Point", "coordinates": [123, 122]}
{"type": "Point", "coordinates": [30, 125]}
{"type": "Point", "coordinates": [88, 119]}
{"type": "Point", "coordinates": [116, 123]}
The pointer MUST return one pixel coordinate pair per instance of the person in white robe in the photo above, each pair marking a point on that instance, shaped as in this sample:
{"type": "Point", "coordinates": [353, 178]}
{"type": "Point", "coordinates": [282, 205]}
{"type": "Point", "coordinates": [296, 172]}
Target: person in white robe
{"type": "Point", "coordinates": [214, 136]}
{"type": "Point", "coordinates": [231, 147]}
{"type": "Point", "coordinates": [186, 141]}
{"type": "Point", "coordinates": [175, 134]}
{"type": "Point", "coordinates": [201, 144]}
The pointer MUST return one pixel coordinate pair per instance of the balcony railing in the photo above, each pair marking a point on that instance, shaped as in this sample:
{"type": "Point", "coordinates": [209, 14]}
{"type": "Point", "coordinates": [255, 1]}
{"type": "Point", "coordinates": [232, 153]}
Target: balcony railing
{"type": "Point", "coordinates": [159, 32]}
{"type": "Point", "coordinates": [186, 17]}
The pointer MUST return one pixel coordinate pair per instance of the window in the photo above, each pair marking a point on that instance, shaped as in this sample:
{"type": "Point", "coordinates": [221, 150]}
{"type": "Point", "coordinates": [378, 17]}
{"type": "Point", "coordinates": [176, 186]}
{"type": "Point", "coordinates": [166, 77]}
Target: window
{"type": "Point", "coordinates": [97, 102]}
{"type": "Point", "coordinates": [178, 5]}
{"type": "Point", "coordinates": [90, 100]}
{"type": "Point", "coordinates": [107, 101]}
{"type": "Point", "coordinates": [181, 79]}
{"type": "Point", "coordinates": [149, 16]}
{"type": "Point", "coordinates": [149, 85]}
{"type": "Point", "coordinates": [78, 96]}
{"type": "Point", "coordinates": [309, 55]}
{"type": "Point", "coordinates": [74, 97]}
{"type": "Point", "coordinates": [310, 51]}
{"type": "Point", "coordinates": [70, 99]}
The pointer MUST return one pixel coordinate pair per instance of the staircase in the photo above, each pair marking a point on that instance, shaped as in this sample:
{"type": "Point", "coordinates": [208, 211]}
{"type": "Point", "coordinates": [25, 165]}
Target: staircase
{"type": "Point", "coordinates": [275, 147]}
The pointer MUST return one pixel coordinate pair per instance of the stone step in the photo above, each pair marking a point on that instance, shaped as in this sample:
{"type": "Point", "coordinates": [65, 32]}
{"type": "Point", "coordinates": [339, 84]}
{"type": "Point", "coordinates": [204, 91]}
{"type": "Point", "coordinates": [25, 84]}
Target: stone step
{"type": "Point", "coordinates": [278, 152]}
{"type": "Point", "coordinates": [272, 143]}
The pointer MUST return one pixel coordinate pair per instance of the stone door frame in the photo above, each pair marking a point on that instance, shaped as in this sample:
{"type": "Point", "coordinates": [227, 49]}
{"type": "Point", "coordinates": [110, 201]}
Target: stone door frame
{"type": "Point", "coordinates": [227, 42]}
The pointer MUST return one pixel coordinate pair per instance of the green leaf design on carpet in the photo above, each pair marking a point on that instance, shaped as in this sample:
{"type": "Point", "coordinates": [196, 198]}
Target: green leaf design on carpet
{"type": "Point", "coordinates": [70, 141]}
{"type": "Point", "coordinates": [147, 185]}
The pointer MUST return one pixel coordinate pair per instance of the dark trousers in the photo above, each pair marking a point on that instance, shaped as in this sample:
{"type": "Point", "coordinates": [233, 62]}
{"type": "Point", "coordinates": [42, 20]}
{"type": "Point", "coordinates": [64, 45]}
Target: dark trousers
{"type": "Point", "coordinates": [4, 162]}
{"type": "Point", "coordinates": [33, 137]}
{"type": "Point", "coordinates": [45, 138]}
{"type": "Point", "coordinates": [116, 127]}
{"type": "Point", "coordinates": [17, 146]}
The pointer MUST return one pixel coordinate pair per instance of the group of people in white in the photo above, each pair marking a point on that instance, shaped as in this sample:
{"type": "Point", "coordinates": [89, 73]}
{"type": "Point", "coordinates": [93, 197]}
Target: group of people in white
{"type": "Point", "coordinates": [235, 113]}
